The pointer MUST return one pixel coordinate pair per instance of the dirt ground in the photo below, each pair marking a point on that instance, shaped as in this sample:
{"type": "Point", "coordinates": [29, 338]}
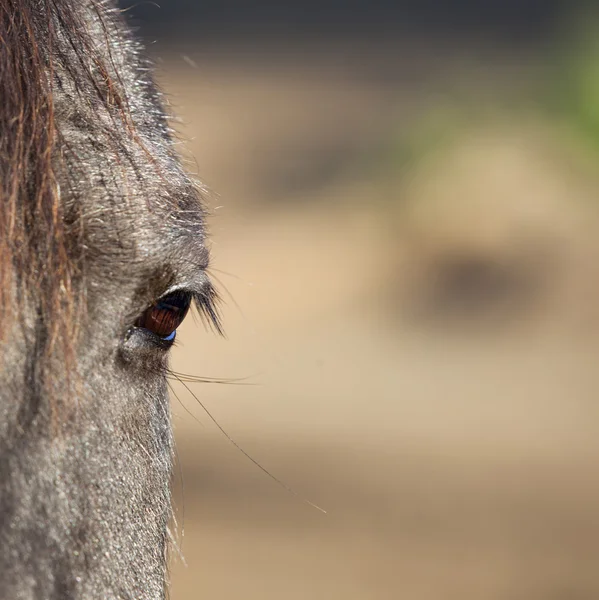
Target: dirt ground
{"type": "Point", "coordinates": [455, 451]}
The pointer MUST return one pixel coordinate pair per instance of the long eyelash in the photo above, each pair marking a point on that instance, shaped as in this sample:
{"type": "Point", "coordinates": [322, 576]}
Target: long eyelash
{"type": "Point", "coordinates": [211, 272]}
{"type": "Point", "coordinates": [207, 304]}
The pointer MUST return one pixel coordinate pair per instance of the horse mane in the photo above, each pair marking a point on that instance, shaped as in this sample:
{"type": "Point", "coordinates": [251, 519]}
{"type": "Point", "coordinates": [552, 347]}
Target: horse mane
{"type": "Point", "coordinates": [45, 46]}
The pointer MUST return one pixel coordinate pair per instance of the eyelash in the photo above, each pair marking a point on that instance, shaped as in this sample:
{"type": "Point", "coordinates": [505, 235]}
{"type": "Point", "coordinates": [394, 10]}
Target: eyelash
{"type": "Point", "coordinates": [163, 318]}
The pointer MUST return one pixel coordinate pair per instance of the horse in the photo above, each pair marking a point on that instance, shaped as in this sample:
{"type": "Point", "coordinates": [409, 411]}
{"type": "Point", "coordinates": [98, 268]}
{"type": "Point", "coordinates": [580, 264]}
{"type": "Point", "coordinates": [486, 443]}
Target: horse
{"type": "Point", "coordinates": [103, 250]}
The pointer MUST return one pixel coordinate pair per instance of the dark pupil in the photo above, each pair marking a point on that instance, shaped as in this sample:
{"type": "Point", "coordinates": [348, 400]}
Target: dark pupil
{"type": "Point", "coordinates": [166, 315]}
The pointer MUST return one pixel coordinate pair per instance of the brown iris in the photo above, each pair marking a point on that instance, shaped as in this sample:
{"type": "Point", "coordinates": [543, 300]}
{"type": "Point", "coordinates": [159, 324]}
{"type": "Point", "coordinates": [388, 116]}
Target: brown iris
{"type": "Point", "coordinates": [163, 317]}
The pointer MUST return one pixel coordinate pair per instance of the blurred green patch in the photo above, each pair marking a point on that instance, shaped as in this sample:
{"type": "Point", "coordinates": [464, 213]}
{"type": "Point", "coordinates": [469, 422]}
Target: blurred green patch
{"type": "Point", "coordinates": [562, 93]}
{"type": "Point", "coordinates": [574, 81]}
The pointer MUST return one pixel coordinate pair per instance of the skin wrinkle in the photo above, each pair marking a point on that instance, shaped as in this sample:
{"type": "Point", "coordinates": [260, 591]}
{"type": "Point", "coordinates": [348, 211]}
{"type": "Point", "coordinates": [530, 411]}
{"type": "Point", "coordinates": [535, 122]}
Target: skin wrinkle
{"type": "Point", "coordinates": [97, 221]}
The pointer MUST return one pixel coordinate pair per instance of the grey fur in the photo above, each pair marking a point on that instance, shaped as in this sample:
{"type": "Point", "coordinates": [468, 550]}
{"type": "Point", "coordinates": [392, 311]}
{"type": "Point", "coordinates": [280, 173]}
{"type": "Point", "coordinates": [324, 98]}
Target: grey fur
{"type": "Point", "coordinates": [85, 504]}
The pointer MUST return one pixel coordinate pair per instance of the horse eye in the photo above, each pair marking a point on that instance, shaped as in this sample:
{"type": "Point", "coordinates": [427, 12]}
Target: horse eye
{"type": "Point", "coordinates": [163, 317]}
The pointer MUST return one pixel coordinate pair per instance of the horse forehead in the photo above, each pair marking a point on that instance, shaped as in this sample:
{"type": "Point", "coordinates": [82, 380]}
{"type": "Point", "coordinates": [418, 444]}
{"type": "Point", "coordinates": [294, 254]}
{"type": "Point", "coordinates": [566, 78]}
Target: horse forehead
{"type": "Point", "coordinates": [132, 195]}
{"type": "Point", "coordinates": [125, 190]}
{"type": "Point", "coordinates": [151, 226]}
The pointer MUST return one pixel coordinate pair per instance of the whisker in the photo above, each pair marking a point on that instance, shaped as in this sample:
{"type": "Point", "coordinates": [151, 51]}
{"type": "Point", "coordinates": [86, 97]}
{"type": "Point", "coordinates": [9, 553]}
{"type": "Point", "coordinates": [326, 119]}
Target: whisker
{"type": "Point", "coordinates": [180, 531]}
{"type": "Point", "coordinates": [250, 458]}
{"type": "Point", "coordinates": [172, 389]}
{"type": "Point", "coordinates": [199, 379]}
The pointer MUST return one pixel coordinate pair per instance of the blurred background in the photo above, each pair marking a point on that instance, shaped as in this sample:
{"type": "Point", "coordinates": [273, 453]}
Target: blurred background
{"type": "Point", "coordinates": [404, 200]}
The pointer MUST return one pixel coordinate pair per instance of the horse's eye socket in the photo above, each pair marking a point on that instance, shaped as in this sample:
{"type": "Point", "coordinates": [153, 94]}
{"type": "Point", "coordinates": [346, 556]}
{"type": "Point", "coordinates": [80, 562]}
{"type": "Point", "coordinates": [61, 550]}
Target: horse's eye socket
{"type": "Point", "coordinates": [163, 317]}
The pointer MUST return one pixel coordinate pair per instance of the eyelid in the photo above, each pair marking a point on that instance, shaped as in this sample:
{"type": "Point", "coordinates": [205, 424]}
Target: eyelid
{"type": "Point", "coordinates": [195, 285]}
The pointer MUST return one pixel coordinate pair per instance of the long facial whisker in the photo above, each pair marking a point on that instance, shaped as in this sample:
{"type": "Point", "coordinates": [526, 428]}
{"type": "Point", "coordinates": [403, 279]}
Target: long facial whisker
{"type": "Point", "coordinates": [179, 530]}
{"type": "Point", "coordinates": [215, 380]}
{"type": "Point", "coordinates": [172, 389]}
{"type": "Point", "coordinates": [248, 456]}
